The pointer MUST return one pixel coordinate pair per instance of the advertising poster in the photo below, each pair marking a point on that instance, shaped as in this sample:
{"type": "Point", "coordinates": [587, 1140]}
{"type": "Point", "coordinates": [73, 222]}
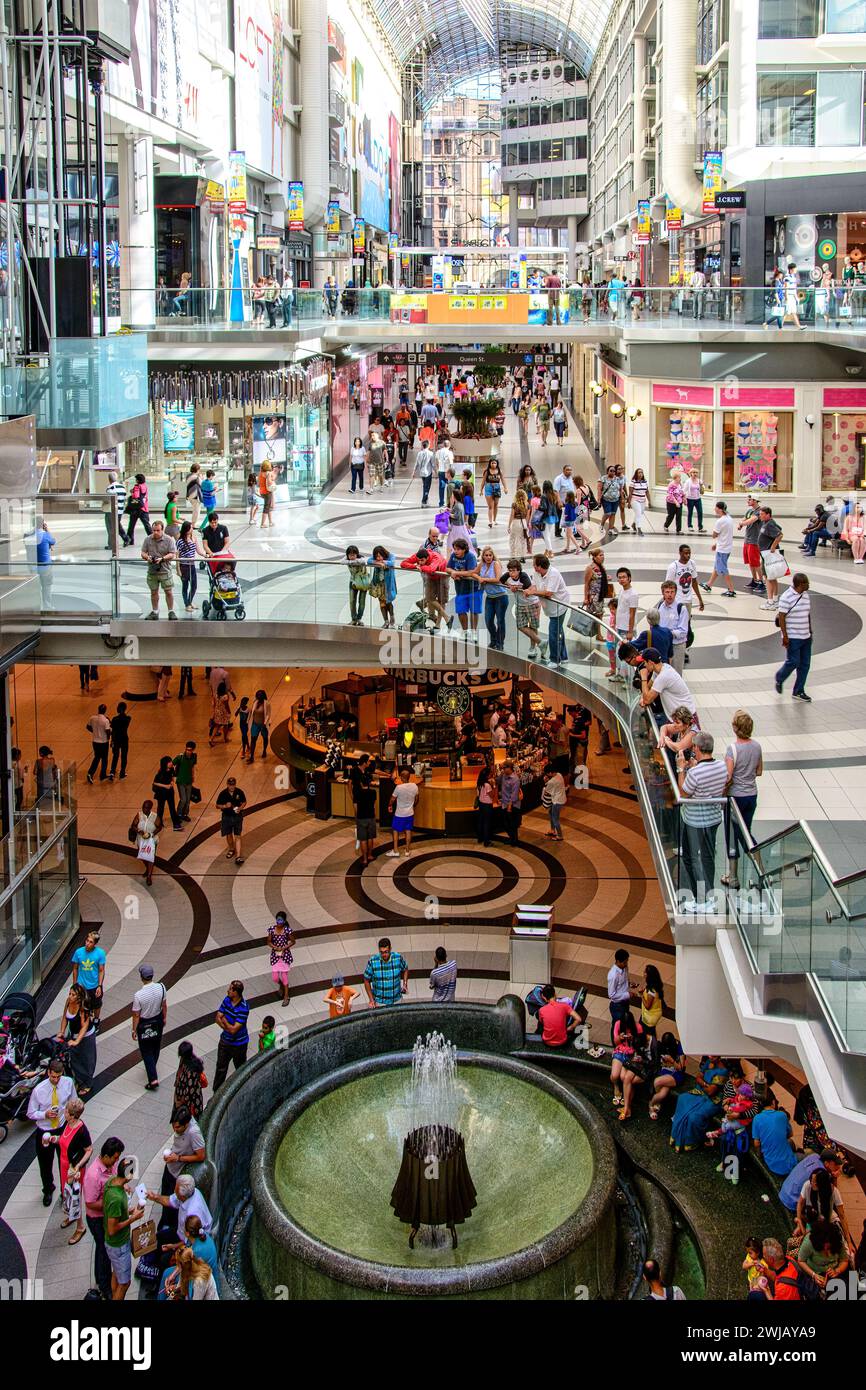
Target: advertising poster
{"type": "Point", "coordinates": [359, 236]}
{"type": "Point", "coordinates": [395, 166]}
{"type": "Point", "coordinates": [269, 440]}
{"type": "Point", "coordinates": [332, 223]}
{"type": "Point", "coordinates": [178, 431]}
{"type": "Point", "coordinates": [237, 181]}
{"type": "Point", "coordinates": [295, 209]}
{"type": "Point", "coordinates": [644, 222]}
{"type": "Point", "coordinates": [673, 217]}
{"type": "Point", "coordinates": [712, 179]}
{"type": "Point", "coordinates": [258, 84]}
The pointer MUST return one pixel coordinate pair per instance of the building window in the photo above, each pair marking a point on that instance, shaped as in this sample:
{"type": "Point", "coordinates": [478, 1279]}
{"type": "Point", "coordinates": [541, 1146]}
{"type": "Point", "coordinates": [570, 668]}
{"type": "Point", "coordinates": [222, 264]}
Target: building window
{"type": "Point", "coordinates": [769, 466]}
{"type": "Point", "coordinates": [712, 112]}
{"type": "Point", "coordinates": [428, 209]}
{"type": "Point", "coordinates": [443, 209]}
{"type": "Point", "coordinates": [789, 19]}
{"type": "Point", "coordinates": [535, 115]}
{"type": "Point", "coordinates": [712, 27]}
{"type": "Point", "coordinates": [786, 108]}
{"type": "Point", "coordinates": [684, 440]}
{"type": "Point", "coordinates": [845, 17]}
{"type": "Point", "coordinates": [840, 108]}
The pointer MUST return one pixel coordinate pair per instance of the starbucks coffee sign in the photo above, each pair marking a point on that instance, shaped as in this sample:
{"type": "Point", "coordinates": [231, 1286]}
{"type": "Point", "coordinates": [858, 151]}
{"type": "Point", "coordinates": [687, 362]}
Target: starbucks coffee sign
{"type": "Point", "coordinates": [420, 675]}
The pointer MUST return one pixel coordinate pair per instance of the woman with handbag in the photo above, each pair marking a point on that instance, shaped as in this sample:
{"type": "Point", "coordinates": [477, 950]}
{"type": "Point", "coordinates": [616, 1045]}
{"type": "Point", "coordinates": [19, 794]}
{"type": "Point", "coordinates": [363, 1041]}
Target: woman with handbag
{"type": "Point", "coordinates": [494, 488]}
{"type": "Point", "coordinates": [519, 544]}
{"type": "Point", "coordinates": [144, 834]}
{"type": "Point", "coordinates": [78, 1031]}
{"type": "Point", "coordinates": [76, 1147]}
{"type": "Point", "coordinates": [137, 509]}
{"type": "Point", "coordinates": [189, 1082]}
{"type": "Point", "coordinates": [359, 585]}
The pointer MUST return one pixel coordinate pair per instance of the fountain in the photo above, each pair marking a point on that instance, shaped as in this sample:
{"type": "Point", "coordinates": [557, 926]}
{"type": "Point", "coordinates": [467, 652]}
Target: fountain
{"type": "Point", "coordinates": [433, 1187]}
{"type": "Point", "coordinates": [309, 1140]}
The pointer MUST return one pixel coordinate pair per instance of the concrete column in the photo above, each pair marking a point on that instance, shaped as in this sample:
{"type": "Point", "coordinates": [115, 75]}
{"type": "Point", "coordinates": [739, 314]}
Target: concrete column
{"type": "Point", "coordinates": [572, 247]}
{"type": "Point", "coordinates": [638, 108]}
{"type": "Point", "coordinates": [513, 230]}
{"type": "Point", "coordinates": [137, 231]}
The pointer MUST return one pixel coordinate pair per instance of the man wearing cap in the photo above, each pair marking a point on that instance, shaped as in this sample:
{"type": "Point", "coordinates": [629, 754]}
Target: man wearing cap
{"type": "Point", "coordinates": [751, 554]}
{"type": "Point", "coordinates": [149, 1012]}
{"type": "Point", "coordinates": [339, 998]}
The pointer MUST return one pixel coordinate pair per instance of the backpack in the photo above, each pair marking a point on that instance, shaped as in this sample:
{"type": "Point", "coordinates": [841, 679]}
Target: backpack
{"type": "Point", "coordinates": [800, 1280]}
{"type": "Point", "coordinates": [669, 1294]}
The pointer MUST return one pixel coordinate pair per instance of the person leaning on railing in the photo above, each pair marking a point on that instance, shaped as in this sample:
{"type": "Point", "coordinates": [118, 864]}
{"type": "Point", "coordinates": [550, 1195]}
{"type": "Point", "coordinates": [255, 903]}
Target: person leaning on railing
{"type": "Point", "coordinates": [702, 786]}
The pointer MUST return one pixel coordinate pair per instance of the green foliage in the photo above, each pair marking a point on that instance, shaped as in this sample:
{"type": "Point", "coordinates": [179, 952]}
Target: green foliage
{"type": "Point", "coordinates": [474, 414]}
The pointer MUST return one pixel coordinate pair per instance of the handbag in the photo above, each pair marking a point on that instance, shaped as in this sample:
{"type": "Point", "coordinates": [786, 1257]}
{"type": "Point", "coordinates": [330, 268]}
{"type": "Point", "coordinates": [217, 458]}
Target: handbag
{"type": "Point", "coordinates": [72, 1200]}
{"type": "Point", "coordinates": [581, 622]}
{"type": "Point", "coordinates": [195, 795]}
{"type": "Point", "coordinates": [362, 582]}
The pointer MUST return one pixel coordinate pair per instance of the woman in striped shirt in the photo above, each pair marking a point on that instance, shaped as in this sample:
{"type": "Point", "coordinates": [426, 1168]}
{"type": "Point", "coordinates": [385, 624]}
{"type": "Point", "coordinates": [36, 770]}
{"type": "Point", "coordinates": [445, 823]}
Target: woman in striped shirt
{"type": "Point", "coordinates": [188, 551]}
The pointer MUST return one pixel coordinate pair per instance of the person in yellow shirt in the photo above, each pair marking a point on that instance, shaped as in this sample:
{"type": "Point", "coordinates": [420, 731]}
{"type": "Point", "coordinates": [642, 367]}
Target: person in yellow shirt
{"type": "Point", "coordinates": [339, 997]}
{"type": "Point", "coordinates": [652, 1000]}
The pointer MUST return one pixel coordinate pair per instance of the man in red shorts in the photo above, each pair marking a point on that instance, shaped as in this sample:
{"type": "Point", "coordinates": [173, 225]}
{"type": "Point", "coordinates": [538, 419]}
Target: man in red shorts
{"type": "Point", "coordinates": [751, 554]}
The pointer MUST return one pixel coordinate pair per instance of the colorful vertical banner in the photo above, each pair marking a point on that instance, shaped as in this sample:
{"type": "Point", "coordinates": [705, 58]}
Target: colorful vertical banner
{"type": "Point", "coordinates": [393, 242]}
{"type": "Point", "coordinates": [359, 236]}
{"type": "Point", "coordinates": [644, 223]}
{"type": "Point", "coordinates": [332, 223]}
{"type": "Point", "coordinates": [295, 210]}
{"type": "Point", "coordinates": [237, 181]}
{"type": "Point", "coordinates": [673, 216]}
{"type": "Point", "coordinates": [712, 178]}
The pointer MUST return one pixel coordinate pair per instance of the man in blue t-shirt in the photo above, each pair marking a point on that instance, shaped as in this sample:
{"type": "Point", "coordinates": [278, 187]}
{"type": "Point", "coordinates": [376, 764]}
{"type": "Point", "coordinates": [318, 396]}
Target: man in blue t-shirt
{"type": "Point", "coordinates": [771, 1136]}
{"type": "Point", "coordinates": [789, 1192]}
{"type": "Point", "coordinates": [88, 969]}
{"type": "Point", "coordinates": [231, 1017]}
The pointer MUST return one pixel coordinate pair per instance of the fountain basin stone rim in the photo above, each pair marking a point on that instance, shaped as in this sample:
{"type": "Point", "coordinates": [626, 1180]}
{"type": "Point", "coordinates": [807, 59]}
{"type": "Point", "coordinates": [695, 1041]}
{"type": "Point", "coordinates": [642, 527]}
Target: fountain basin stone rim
{"type": "Point", "coordinates": [400, 1280]}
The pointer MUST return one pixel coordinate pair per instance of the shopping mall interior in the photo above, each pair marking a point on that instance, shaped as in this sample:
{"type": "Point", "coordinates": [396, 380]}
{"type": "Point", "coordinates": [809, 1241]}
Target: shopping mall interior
{"type": "Point", "coordinates": [424, 876]}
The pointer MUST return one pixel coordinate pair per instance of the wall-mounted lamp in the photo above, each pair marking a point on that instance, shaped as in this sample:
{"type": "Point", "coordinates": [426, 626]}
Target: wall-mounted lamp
{"type": "Point", "coordinates": [597, 388]}
{"type": "Point", "coordinates": [633, 411]}
{"type": "Point", "coordinates": [810, 421]}
{"type": "Point", "coordinates": [616, 409]}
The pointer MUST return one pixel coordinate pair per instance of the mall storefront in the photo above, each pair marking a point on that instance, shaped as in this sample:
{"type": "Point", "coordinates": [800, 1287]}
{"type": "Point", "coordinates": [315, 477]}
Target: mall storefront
{"type": "Point", "coordinates": [232, 422]}
{"type": "Point", "coordinates": [792, 443]}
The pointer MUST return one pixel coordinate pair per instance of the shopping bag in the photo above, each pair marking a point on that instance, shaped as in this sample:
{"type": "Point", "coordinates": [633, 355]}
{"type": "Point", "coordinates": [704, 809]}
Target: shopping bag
{"type": "Point", "coordinates": [147, 851]}
{"type": "Point", "coordinates": [443, 522]}
{"type": "Point", "coordinates": [581, 622]}
{"type": "Point", "coordinates": [143, 1238]}
{"type": "Point", "coordinates": [72, 1200]}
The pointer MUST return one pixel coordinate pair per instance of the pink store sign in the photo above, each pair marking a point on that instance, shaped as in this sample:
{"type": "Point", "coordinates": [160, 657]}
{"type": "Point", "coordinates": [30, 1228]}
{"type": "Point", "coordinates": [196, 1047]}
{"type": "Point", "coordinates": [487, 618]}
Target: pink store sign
{"type": "Point", "coordinates": [845, 398]}
{"type": "Point", "coordinates": [758, 397]}
{"type": "Point", "coordinates": [683, 395]}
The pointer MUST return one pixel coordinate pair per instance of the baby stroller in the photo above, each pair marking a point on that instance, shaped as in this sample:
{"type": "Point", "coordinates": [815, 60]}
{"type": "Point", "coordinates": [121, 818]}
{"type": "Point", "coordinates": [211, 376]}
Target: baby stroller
{"type": "Point", "coordinates": [20, 1068]}
{"type": "Point", "coordinates": [225, 589]}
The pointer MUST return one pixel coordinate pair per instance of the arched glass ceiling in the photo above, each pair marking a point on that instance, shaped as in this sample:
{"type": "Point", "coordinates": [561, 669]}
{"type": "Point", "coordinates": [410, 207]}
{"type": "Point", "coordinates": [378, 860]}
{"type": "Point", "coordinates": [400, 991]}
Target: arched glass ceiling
{"type": "Point", "coordinates": [460, 36]}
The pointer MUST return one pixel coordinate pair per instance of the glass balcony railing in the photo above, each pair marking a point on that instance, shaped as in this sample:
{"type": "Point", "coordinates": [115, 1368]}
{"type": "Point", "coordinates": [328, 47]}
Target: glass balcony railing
{"type": "Point", "coordinates": [82, 384]}
{"type": "Point", "coordinates": [675, 306]}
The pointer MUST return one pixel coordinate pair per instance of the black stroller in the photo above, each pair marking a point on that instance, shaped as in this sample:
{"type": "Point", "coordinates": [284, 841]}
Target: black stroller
{"type": "Point", "coordinates": [23, 1057]}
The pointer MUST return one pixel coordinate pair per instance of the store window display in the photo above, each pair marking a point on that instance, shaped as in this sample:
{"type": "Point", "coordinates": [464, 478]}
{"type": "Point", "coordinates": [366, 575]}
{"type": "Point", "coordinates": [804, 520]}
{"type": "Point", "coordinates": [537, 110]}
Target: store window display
{"type": "Point", "coordinates": [684, 440]}
{"type": "Point", "coordinates": [758, 451]}
{"type": "Point", "coordinates": [843, 452]}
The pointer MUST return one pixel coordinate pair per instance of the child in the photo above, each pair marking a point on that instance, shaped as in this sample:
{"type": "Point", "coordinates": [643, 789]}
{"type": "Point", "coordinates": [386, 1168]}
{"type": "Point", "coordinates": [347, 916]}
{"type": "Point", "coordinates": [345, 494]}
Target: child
{"type": "Point", "coordinates": [339, 997]}
{"type": "Point", "coordinates": [253, 497]}
{"type": "Point", "coordinates": [268, 1034]}
{"type": "Point", "coordinates": [611, 641]}
{"type": "Point", "coordinates": [569, 517]}
{"type": "Point", "coordinates": [208, 493]}
{"type": "Point", "coordinates": [754, 1264]}
{"type": "Point", "coordinates": [243, 713]}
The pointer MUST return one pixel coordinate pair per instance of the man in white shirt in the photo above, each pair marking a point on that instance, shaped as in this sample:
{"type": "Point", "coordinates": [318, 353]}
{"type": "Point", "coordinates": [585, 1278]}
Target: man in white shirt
{"type": "Point", "coordinates": [424, 460]}
{"type": "Point", "coordinates": [563, 484]}
{"type": "Point", "coordinates": [795, 621]}
{"type": "Point", "coordinates": [117, 490]}
{"type": "Point", "coordinates": [684, 573]}
{"type": "Point", "coordinates": [552, 589]}
{"type": "Point", "coordinates": [187, 1146]}
{"type": "Point", "coordinates": [187, 1201]}
{"type": "Point", "coordinates": [674, 615]}
{"type": "Point", "coordinates": [659, 679]}
{"type": "Point", "coordinates": [444, 461]}
{"type": "Point", "coordinates": [626, 616]}
{"type": "Point", "coordinates": [619, 990]}
{"type": "Point", "coordinates": [47, 1107]}
{"type": "Point", "coordinates": [149, 1012]}
{"type": "Point", "coordinates": [723, 544]}
{"type": "Point", "coordinates": [554, 388]}
{"type": "Point", "coordinates": [99, 727]}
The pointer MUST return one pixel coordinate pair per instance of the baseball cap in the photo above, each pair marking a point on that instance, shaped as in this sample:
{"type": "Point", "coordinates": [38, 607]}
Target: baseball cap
{"type": "Point", "coordinates": [146, 972]}
{"type": "Point", "coordinates": [338, 981]}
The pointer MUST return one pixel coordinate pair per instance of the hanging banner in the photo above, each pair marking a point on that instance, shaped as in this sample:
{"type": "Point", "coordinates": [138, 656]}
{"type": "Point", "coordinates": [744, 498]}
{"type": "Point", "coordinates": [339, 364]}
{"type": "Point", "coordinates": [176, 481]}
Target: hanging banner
{"type": "Point", "coordinates": [644, 223]}
{"type": "Point", "coordinates": [712, 179]}
{"type": "Point", "coordinates": [359, 236]}
{"type": "Point", "coordinates": [295, 208]}
{"type": "Point", "coordinates": [673, 216]}
{"type": "Point", "coordinates": [332, 223]}
{"type": "Point", "coordinates": [393, 242]}
{"type": "Point", "coordinates": [237, 181]}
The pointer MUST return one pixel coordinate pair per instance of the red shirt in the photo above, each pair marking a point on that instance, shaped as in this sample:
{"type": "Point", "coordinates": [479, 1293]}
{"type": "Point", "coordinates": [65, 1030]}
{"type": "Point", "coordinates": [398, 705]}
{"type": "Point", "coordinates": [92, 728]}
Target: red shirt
{"type": "Point", "coordinates": [554, 1016]}
{"type": "Point", "coordinates": [786, 1292]}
